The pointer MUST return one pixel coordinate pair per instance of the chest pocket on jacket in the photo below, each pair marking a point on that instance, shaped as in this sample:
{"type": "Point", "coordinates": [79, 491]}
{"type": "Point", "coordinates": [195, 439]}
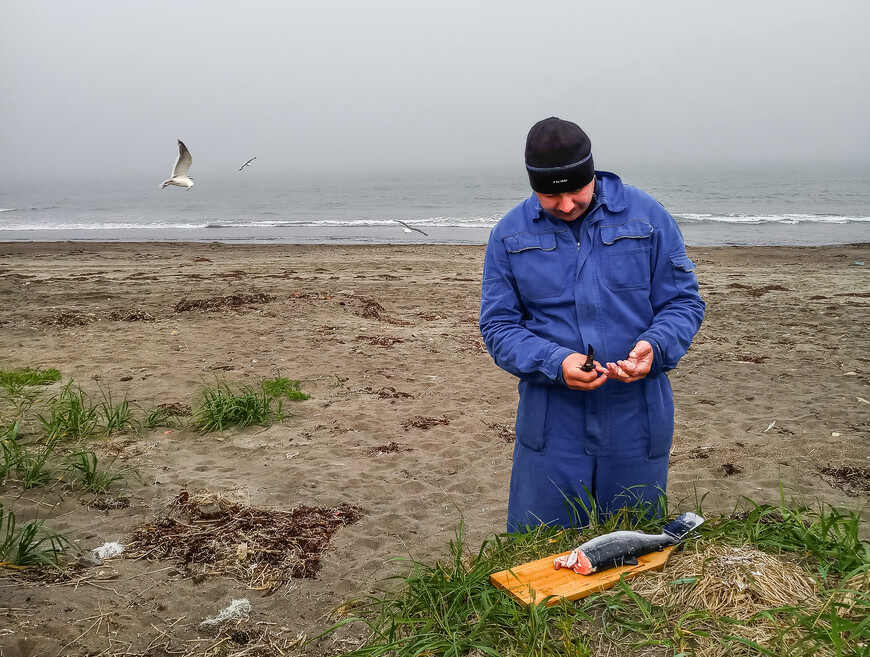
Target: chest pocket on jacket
{"type": "Point", "coordinates": [627, 254]}
{"type": "Point", "coordinates": [536, 264]}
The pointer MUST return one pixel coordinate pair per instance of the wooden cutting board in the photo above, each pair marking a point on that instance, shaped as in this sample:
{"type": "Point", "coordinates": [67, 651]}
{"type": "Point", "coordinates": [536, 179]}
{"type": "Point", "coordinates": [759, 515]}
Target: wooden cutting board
{"type": "Point", "coordinates": [538, 579]}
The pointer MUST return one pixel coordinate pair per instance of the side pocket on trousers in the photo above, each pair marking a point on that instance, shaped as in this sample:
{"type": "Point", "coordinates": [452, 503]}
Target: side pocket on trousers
{"type": "Point", "coordinates": [660, 445]}
{"type": "Point", "coordinates": [660, 409]}
{"type": "Point", "coordinates": [531, 415]}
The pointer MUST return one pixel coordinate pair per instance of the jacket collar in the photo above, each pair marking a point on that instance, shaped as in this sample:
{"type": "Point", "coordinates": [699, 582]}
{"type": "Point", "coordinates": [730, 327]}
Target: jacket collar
{"type": "Point", "coordinates": [609, 189]}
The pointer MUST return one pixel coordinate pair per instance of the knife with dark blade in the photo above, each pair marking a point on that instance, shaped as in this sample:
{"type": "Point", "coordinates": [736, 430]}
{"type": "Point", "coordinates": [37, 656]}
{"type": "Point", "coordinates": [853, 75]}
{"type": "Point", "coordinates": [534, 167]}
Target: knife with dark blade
{"type": "Point", "coordinates": [589, 365]}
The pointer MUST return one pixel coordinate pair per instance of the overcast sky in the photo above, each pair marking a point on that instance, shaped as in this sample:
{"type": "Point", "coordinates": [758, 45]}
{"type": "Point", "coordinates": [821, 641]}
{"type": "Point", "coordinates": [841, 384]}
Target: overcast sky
{"type": "Point", "coordinates": [105, 86]}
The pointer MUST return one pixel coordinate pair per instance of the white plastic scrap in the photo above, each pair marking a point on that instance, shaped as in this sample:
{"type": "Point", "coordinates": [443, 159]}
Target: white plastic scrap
{"type": "Point", "coordinates": [237, 609]}
{"type": "Point", "coordinates": [108, 550]}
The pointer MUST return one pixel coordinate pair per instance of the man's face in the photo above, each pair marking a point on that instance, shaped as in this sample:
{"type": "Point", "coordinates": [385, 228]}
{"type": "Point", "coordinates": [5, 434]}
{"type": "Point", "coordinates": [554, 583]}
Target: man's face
{"type": "Point", "coordinates": [567, 206]}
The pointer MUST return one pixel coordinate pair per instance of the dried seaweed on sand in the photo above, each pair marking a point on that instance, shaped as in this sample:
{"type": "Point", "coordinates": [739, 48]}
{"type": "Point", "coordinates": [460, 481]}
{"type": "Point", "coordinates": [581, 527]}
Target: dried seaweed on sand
{"type": "Point", "coordinates": [264, 549]}
{"type": "Point", "coordinates": [853, 481]}
{"type": "Point", "coordinates": [221, 303]}
{"type": "Point", "coordinates": [420, 422]}
{"type": "Point", "coordinates": [67, 319]}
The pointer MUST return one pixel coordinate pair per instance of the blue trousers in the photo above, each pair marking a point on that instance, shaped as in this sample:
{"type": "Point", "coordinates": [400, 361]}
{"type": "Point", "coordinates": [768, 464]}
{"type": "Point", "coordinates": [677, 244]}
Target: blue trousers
{"type": "Point", "coordinates": [556, 490]}
{"type": "Point", "coordinates": [559, 471]}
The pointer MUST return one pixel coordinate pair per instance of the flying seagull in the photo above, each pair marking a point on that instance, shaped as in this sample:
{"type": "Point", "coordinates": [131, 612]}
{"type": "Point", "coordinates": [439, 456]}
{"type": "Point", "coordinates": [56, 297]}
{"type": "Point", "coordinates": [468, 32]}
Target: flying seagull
{"type": "Point", "coordinates": [408, 228]}
{"type": "Point", "coordinates": [247, 164]}
{"type": "Point", "coordinates": [179, 171]}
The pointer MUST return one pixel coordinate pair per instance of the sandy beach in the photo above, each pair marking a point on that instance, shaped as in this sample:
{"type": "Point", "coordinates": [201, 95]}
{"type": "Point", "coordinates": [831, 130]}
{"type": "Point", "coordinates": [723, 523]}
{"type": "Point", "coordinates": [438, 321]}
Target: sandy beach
{"type": "Point", "coordinates": [408, 420]}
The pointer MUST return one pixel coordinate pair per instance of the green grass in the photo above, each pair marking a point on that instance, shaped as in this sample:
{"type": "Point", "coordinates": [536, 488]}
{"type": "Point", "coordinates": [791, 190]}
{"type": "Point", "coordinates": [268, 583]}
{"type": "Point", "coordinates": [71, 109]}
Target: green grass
{"type": "Point", "coordinates": [451, 608]}
{"type": "Point", "coordinates": [31, 464]}
{"type": "Point", "coordinates": [71, 414]}
{"type": "Point", "coordinates": [284, 387]}
{"type": "Point", "coordinates": [33, 467]}
{"type": "Point", "coordinates": [831, 536]}
{"type": "Point", "coordinates": [221, 407]}
{"type": "Point", "coordinates": [27, 376]}
{"type": "Point", "coordinates": [114, 416]}
{"type": "Point", "coordinates": [30, 545]}
{"type": "Point", "coordinates": [27, 463]}
{"type": "Point", "coordinates": [19, 400]}
{"type": "Point", "coordinates": [10, 450]}
{"type": "Point", "coordinates": [83, 465]}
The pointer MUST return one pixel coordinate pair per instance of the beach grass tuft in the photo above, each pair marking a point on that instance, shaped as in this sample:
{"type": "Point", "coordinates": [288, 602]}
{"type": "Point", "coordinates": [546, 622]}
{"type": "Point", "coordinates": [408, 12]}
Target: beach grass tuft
{"type": "Point", "coordinates": [10, 450]}
{"type": "Point", "coordinates": [114, 416]}
{"type": "Point", "coordinates": [284, 387]}
{"type": "Point", "coordinates": [32, 465]}
{"type": "Point", "coordinates": [26, 376]}
{"type": "Point", "coordinates": [19, 399]}
{"type": "Point", "coordinates": [36, 463]}
{"type": "Point", "coordinates": [222, 407]}
{"type": "Point", "coordinates": [813, 555]}
{"type": "Point", "coordinates": [71, 414]}
{"type": "Point", "coordinates": [29, 546]}
{"type": "Point", "coordinates": [29, 463]}
{"type": "Point", "coordinates": [36, 460]}
{"type": "Point", "coordinates": [84, 465]}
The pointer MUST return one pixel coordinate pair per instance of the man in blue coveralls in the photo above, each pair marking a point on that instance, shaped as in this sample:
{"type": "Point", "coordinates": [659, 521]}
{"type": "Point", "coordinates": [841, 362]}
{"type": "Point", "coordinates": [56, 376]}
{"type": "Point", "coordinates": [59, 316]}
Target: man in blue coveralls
{"type": "Point", "coordinates": [586, 261]}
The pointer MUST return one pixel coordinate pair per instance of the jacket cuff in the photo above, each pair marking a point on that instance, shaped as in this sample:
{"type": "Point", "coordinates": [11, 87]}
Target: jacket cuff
{"type": "Point", "coordinates": [555, 362]}
{"type": "Point", "coordinates": [658, 357]}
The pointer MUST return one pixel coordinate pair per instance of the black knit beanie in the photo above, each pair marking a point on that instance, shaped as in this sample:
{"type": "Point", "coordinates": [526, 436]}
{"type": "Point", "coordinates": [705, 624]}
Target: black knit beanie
{"type": "Point", "coordinates": [558, 157]}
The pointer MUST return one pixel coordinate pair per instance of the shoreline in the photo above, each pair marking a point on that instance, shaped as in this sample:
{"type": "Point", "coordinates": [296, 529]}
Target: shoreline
{"type": "Point", "coordinates": [696, 234]}
{"type": "Point", "coordinates": [861, 249]}
{"type": "Point", "coordinates": [408, 418]}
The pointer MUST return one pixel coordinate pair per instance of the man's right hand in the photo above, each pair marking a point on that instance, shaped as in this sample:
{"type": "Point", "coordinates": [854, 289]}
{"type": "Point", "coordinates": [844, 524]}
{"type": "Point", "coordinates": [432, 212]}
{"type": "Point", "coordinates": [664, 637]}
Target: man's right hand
{"type": "Point", "coordinates": [577, 379]}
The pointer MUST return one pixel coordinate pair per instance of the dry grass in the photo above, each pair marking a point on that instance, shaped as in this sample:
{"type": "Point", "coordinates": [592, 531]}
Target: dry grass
{"type": "Point", "coordinates": [737, 582]}
{"type": "Point", "coordinates": [851, 593]}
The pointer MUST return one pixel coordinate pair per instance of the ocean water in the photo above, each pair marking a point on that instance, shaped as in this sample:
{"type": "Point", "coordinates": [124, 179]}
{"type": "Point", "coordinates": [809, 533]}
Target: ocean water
{"type": "Point", "coordinates": [757, 205]}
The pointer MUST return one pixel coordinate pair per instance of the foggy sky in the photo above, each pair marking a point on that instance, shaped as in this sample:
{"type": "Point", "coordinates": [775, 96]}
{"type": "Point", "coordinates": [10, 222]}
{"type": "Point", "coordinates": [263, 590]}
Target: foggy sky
{"type": "Point", "coordinates": [105, 87]}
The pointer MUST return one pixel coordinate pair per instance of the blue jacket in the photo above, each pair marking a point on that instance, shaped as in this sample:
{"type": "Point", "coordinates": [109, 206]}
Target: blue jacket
{"type": "Point", "coordinates": [545, 295]}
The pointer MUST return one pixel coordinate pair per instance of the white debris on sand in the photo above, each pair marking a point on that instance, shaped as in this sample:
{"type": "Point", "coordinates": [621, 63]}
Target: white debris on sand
{"type": "Point", "coordinates": [108, 550]}
{"type": "Point", "coordinates": [238, 609]}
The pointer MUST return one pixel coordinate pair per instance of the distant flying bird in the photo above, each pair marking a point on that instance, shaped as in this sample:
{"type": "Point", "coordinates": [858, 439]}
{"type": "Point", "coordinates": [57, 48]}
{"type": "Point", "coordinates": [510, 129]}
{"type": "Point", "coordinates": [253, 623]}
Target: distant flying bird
{"type": "Point", "coordinates": [179, 171]}
{"type": "Point", "coordinates": [247, 164]}
{"type": "Point", "coordinates": [408, 228]}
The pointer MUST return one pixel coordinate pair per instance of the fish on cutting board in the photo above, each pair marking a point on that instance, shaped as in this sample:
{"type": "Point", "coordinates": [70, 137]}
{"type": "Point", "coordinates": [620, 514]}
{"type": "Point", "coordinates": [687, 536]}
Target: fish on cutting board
{"type": "Point", "coordinates": [622, 548]}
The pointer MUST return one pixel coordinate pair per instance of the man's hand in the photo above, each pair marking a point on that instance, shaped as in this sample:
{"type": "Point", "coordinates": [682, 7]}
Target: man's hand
{"type": "Point", "coordinates": [577, 379]}
{"type": "Point", "coordinates": [635, 367]}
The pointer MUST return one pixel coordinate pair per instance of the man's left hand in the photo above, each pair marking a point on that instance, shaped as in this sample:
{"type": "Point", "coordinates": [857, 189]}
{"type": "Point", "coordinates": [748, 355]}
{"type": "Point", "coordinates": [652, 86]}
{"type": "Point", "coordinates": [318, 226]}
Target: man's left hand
{"type": "Point", "coordinates": [635, 367]}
